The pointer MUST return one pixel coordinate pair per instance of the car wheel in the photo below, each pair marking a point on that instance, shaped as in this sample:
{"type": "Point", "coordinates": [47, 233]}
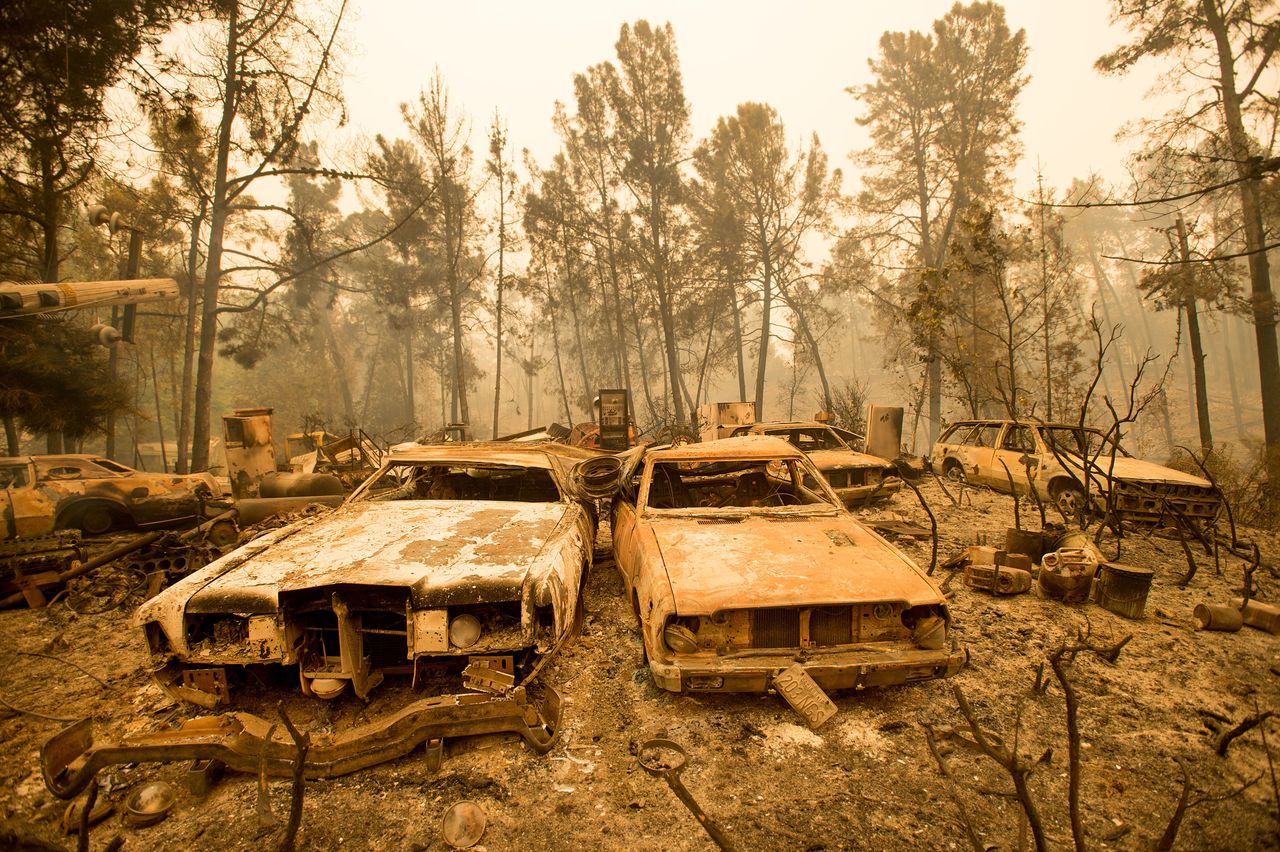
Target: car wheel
{"type": "Point", "coordinates": [953, 470]}
{"type": "Point", "coordinates": [96, 520]}
{"type": "Point", "coordinates": [1070, 501]}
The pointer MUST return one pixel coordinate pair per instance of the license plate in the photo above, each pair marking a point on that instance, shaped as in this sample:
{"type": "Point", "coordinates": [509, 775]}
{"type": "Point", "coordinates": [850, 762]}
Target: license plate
{"type": "Point", "coordinates": [804, 695]}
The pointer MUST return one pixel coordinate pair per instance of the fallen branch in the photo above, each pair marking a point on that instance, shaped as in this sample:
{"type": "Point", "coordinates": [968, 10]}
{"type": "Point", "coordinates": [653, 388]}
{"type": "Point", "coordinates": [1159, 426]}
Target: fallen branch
{"type": "Point", "coordinates": [302, 742]}
{"type": "Point", "coordinates": [941, 760]}
{"type": "Point", "coordinates": [1247, 724]}
{"type": "Point", "coordinates": [933, 525]}
{"type": "Point", "coordinates": [1008, 759]}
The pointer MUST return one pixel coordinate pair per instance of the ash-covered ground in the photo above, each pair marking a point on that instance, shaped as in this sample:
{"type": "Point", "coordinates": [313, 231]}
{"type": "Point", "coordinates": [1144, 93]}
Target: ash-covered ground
{"type": "Point", "coordinates": [865, 780]}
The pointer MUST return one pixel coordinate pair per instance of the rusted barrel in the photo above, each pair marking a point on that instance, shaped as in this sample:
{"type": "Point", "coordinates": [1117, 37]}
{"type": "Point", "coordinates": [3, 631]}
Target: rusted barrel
{"type": "Point", "coordinates": [1263, 616]}
{"type": "Point", "coordinates": [299, 485]}
{"type": "Point", "coordinates": [1022, 541]}
{"type": "Point", "coordinates": [258, 509]}
{"type": "Point", "coordinates": [1123, 589]}
{"type": "Point", "coordinates": [1218, 617]}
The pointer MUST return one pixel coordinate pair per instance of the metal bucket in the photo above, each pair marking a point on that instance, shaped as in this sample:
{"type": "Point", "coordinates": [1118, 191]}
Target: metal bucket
{"type": "Point", "coordinates": [1022, 541]}
{"type": "Point", "coordinates": [1218, 617]}
{"type": "Point", "coordinates": [1123, 589]}
{"type": "Point", "coordinates": [1260, 615]}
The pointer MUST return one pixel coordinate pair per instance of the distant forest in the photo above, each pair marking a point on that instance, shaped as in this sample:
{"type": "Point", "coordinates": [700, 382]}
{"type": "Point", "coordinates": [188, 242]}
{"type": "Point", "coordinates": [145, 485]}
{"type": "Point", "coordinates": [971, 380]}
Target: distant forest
{"type": "Point", "coordinates": [444, 276]}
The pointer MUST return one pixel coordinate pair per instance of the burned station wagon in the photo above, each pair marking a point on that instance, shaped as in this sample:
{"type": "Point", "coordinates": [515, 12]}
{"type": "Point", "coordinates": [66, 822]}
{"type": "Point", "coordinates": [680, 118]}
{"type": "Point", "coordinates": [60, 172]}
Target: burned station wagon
{"type": "Point", "coordinates": [855, 477]}
{"type": "Point", "coordinates": [740, 563]}
{"type": "Point", "coordinates": [75, 491]}
{"type": "Point", "coordinates": [454, 560]}
{"type": "Point", "coordinates": [1060, 459]}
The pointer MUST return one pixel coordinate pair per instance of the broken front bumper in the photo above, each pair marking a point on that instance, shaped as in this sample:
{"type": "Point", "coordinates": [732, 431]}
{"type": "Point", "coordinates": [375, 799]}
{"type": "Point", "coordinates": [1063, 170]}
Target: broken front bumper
{"type": "Point", "coordinates": [850, 669]}
{"type": "Point", "coordinates": [855, 497]}
{"type": "Point", "coordinates": [69, 760]}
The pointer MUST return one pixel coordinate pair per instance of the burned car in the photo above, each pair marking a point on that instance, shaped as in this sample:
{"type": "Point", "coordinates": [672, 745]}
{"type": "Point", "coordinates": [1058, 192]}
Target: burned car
{"type": "Point", "coordinates": [456, 569]}
{"type": "Point", "coordinates": [1061, 459]}
{"type": "Point", "coordinates": [741, 563]}
{"type": "Point", "coordinates": [93, 494]}
{"type": "Point", "coordinates": [452, 560]}
{"type": "Point", "coordinates": [857, 478]}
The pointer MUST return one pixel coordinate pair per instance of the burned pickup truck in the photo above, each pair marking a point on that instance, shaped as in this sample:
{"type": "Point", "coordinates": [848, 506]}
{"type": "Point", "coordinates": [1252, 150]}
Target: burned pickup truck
{"type": "Point", "coordinates": [456, 568]}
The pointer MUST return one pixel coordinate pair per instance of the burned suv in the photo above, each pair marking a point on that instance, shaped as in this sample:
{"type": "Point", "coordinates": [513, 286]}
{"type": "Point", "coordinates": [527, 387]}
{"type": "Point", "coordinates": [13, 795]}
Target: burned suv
{"type": "Point", "coordinates": [1064, 462]}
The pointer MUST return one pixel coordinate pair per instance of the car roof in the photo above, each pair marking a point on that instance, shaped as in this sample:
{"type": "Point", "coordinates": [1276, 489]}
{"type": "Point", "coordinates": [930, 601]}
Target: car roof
{"type": "Point", "coordinates": [993, 421]}
{"type": "Point", "coordinates": [746, 447]}
{"type": "Point", "coordinates": [791, 424]}
{"type": "Point", "coordinates": [525, 454]}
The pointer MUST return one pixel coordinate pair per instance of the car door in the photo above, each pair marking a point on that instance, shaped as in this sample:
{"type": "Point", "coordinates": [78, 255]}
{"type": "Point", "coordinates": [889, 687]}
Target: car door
{"type": "Point", "coordinates": [975, 450]}
{"type": "Point", "coordinates": [1015, 458]}
{"type": "Point", "coordinates": [26, 511]}
{"type": "Point", "coordinates": [623, 525]}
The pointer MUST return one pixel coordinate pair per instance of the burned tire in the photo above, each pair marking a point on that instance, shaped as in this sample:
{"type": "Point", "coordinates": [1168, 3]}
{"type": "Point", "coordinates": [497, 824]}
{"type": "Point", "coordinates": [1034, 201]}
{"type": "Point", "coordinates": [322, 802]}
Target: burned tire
{"type": "Point", "coordinates": [95, 520]}
{"type": "Point", "coordinates": [953, 470]}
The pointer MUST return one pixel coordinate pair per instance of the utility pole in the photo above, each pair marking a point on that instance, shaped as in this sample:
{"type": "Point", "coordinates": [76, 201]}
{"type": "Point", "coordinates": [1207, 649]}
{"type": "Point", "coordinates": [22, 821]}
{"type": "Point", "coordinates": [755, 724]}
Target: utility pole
{"type": "Point", "coordinates": [98, 215]}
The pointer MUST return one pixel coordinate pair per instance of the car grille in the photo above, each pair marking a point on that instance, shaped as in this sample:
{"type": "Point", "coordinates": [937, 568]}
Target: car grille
{"type": "Point", "coordinates": [1160, 499]}
{"type": "Point", "coordinates": [831, 625]}
{"type": "Point", "coordinates": [775, 628]}
{"type": "Point", "coordinates": [827, 626]}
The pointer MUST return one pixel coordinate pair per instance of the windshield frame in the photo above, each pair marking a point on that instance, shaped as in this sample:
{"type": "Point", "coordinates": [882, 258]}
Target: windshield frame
{"type": "Point", "coordinates": [797, 466]}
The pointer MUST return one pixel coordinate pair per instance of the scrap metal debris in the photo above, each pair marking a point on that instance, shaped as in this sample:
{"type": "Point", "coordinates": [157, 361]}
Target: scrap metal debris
{"type": "Point", "coordinates": [666, 759]}
{"type": "Point", "coordinates": [463, 825]}
{"type": "Point", "coordinates": [70, 760]}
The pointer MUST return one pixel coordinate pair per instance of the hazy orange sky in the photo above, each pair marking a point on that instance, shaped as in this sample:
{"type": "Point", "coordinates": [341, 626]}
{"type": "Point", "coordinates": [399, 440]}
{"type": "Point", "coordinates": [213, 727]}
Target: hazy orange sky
{"type": "Point", "coordinates": [519, 58]}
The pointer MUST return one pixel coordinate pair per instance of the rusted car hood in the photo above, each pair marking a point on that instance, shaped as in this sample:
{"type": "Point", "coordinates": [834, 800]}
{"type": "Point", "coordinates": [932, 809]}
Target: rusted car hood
{"type": "Point", "coordinates": [715, 564]}
{"type": "Point", "coordinates": [832, 459]}
{"type": "Point", "coordinates": [1145, 471]}
{"type": "Point", "coordinates": [446, 551]}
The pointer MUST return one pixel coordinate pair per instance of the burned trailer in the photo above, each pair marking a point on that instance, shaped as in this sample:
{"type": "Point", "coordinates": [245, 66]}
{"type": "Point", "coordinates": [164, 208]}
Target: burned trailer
{"type": "Point", "coordinates": [467, 572]}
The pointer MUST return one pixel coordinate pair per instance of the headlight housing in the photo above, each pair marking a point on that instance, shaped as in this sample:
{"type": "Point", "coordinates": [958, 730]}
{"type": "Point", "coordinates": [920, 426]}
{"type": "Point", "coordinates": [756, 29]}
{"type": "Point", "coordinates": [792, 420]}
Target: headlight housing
{"type": "Point", "coordinates": [464, 630]}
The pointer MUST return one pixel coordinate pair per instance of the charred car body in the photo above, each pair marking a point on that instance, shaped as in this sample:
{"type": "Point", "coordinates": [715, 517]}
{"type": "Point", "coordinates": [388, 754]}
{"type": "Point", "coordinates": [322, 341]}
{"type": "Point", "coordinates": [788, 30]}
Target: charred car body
{"type": "Point", "coordinates": [474, 557]}
{"type": "Point", "coordinates": [41, 494]}
{"type": "Point", "coordinates": [740, 562]}
{"type": "Point", "coordinates": [855, 477]}
{"type": "Point", "coordinates": [1060, 460]}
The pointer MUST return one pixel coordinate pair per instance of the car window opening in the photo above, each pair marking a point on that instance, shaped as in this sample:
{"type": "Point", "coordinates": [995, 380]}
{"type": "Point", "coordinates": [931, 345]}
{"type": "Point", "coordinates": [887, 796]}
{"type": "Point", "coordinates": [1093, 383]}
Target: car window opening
{"type": "Point", "coordinates": [472, 482]}
{"type": "Point", "coordinates": [744, 485]}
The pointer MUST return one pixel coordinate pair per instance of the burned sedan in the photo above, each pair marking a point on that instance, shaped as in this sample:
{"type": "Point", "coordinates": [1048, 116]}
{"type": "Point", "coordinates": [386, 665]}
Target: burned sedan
{"type": "Point", "coordinates": [93, 494]}
{"type": "Point", "coordinates": [459, 564]}
{"type": "Point", "coordinates": [747, 574]}
{"type": "Point", "coordinates": [857, 478]}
